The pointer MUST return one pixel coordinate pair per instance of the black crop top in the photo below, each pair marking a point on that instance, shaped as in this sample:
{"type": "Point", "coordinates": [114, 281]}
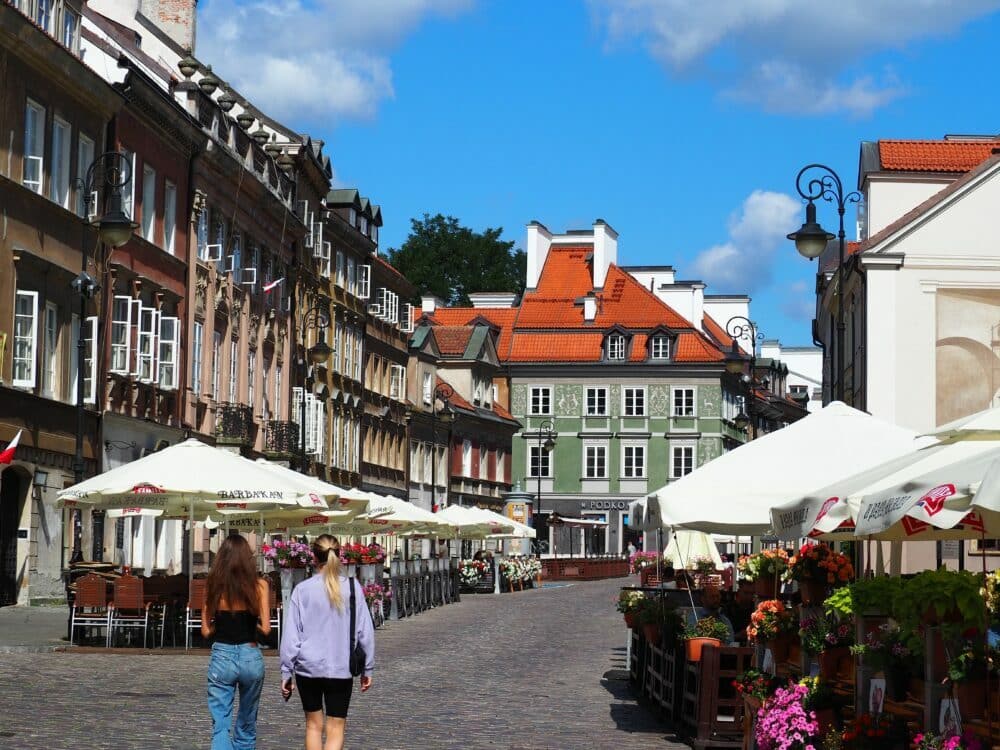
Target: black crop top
{"type": "Point", "coordinates": [235, 627]}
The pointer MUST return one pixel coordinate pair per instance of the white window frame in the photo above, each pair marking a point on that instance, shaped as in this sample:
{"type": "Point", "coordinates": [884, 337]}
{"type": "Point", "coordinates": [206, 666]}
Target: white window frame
{"type": "Point", "coordinates": [121, 334]}
{"type": "Point", "coordinates": [484, 462]}
{"type": "Point", "coordinates": [629, 468]}
{"type": "Point", "coordinates": [591, 450]}
{"type": "Point", "coordinates": [544, 393]}
{"type": "Point", "coordinates": [277, 392]}
{"type": "Point", "coordinates": [50, 350]}
{"type": "Point", "coordinates": [602, 391]}
{"type": "Point", "coordinates": [544, 461]}
{"type": "Point", "coordinates": [169, 216]}
{"type": "Point", "coordinates": [352, 275]}
{"type": "Point", "coordinates": [146, 344]}
{"type": "Point", "coordinates": [234, 358]}
{"type": "Point", "coordinates": [168, 349]}
{"type": "Point", "coordinates": [631, 410]}
{"type": "Point", "coordinates": [685, 392]}
{"type": "Point", "coordinates": [33, 171]}
{"type": "Point", "coordinates": [677, 465]}
{"type": "Point", "coordinates": [59, 179]}
{"type": "Point", "coordinates": [84, 158]}
{"type": "Point", "coordinates": [128, 193]}
{"type": "Point", "coordinates": [500, 474]}
{"type": "Point", "coordinates": [216, 363]}
{"type": "Point", "coordinates": [252, 377]}
{"type": "Point", "coordinates": [90, 340]}
{"type": "Point", "coordinates": [339, 279]}
{"type": "Point", "coordinates": [364, 281]}
{"type": "Point", "coordinates": [397, 383]}
{"type": "Point", "coordinates": [72, 40]}
{"type": "Point", "coordinates": [659, 347]}
{"type": "Point", "coordinates": [196, 353]}
{"type": "Point", "coordinates": [466, 458]}
{"type": "Point", "coordinates": [148, 203]}
{"type": "Point", "coordinates": [616, 347]}
{"type": "Point", "coordinates": [428, 390]}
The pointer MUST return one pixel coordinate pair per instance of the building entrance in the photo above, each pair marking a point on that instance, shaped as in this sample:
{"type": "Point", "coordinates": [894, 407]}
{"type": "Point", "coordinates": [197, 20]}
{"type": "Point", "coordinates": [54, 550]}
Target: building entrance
{"type": "Point", "coordinates": [12, 493]}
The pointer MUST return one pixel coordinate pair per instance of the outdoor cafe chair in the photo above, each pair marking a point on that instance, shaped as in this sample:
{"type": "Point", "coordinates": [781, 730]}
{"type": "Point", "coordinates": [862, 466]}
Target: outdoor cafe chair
{"type": "Point", "coordinates": [90, 606]}
{"type": "Point", "coordinates": [195, 607]}
{"type": "Point", "coordinates": [129, 611]}
{"type": "Point", "coordinates": [155, 593]}
{"type": "Point", "coordinates": [274, 608]}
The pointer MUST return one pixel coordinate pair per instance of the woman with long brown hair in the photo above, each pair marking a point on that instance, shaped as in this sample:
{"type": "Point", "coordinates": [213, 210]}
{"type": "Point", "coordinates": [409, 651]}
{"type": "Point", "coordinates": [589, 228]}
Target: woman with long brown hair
{"type": "Point", "coordinates": [316, 646]}
{"type": "Point", "coordinates": [236, 610]}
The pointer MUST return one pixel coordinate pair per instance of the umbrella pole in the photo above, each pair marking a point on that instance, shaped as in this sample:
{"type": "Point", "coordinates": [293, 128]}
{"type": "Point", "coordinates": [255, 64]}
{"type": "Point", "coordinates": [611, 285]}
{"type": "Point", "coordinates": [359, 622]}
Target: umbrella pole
{"type": "Point", "coordinates": [190, 543]}
{"type": "Point", "coordinates": [986, 641]}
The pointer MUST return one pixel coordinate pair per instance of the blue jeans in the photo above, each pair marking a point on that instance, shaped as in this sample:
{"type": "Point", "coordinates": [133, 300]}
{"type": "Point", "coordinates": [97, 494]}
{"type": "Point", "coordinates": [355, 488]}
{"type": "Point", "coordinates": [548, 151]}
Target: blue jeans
{"type": "Point", "coordinates": [230, 668]}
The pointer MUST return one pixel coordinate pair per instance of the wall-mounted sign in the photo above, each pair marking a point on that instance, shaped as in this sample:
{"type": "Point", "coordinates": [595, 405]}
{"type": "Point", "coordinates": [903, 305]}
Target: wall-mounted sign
{"type": "Point", "coordinates": [517, 511]}
{"type": "Point", "coordinates": [604, 505]}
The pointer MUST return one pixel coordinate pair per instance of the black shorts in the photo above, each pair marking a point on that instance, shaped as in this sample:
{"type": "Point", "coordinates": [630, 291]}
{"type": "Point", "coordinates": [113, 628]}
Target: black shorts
{"type": "Point", "coordinates": [333, 692]}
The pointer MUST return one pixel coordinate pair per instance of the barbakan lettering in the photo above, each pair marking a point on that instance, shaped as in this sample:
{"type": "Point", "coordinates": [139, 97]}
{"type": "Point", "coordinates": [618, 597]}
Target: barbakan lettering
{"type": "Point", "coordinates": [793, 518]}
{"type": "Point", "coordinates": [250, 495]}
{"type": "Point", "coordinates": [885, 507]}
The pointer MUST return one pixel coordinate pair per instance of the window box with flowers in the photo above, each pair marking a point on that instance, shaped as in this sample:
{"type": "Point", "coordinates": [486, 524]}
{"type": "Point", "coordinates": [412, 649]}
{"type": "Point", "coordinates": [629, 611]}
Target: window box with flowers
{"type": "Point", "coordinates": [784, 722]}
{"type": "Point", "coordinates": [291, 558]}
{"type": "Point", "coordinates": [629, 603]}
{"type": "Point", "coordinates": [772, 624]}
{"type": "Point", "coordinates": [764, 569]}
{"type": "Point", "coordinates": [472, 573]}
{"type": "Point", "coordinates": [818, 568]}
{"type": "Point", "coordinates": [930, 741]}
{"type": "Point", "coordinates": [638, 561]}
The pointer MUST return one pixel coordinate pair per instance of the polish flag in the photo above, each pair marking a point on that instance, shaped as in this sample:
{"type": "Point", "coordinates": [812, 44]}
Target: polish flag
{"type": "Point", "coordinates": [268, 287]}
{"type": "Point", "coordinates": [7, 454]}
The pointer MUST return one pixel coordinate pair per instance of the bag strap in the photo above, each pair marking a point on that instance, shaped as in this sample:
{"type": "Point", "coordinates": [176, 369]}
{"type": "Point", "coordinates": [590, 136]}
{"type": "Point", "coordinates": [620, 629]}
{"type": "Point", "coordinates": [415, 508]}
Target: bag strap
{"type": "Point", "coordinates": [350, 654]}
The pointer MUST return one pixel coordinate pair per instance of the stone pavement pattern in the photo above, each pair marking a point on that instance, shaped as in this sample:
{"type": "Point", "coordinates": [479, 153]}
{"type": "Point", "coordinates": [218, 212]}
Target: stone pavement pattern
{"type": "Point", "coordinates": [523, 671]}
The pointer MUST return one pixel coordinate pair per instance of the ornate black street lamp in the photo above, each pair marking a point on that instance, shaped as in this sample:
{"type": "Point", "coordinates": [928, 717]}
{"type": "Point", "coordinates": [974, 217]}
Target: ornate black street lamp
{"type": "Point", "coordinates": [742, 328]}
{"type": "Point", "coordinates": [811, 240]}
{"type": "Point", "coordinates": [545, 435]}
{"type": "Point", "coordinates": [447, 416]}
{"type": "Point", "coordinates": [318, 318]}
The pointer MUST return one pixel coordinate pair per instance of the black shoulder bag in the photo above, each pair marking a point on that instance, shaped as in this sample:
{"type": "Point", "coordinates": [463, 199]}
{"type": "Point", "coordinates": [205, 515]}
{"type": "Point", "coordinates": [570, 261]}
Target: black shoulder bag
{"type": "Point", "coordinates": [357, 656]}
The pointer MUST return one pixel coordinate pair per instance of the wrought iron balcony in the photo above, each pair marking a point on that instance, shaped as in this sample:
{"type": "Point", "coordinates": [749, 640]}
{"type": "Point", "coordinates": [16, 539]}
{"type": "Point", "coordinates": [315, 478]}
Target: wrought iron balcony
{"type": "Point", "coordinates": [282, 438]}
{"type": "Point", "coordinates": [234, 425]}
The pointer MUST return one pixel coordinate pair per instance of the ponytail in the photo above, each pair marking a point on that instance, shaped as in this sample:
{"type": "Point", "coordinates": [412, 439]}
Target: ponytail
{"type": "Point", "coordinates": [327, 553]}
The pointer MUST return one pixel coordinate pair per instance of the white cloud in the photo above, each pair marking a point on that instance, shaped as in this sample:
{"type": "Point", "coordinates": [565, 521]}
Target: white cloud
{"type": "Point", "coordinates": [785, 55]}
{"type": "Point", "coordinates": [743, 263]}
{"type": "Point", "coordinates": [315, 59]}
{"type": "Point", "coordinates": [799, 301]}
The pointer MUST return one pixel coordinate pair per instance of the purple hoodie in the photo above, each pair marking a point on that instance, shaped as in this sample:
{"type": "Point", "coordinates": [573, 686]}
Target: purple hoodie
{"type": "Point", "coordinates": [315, 635]}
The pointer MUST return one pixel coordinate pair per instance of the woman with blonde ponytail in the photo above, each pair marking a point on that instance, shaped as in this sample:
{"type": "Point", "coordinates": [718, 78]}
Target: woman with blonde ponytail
{"type": "Point", "coordinates": [316, 643]}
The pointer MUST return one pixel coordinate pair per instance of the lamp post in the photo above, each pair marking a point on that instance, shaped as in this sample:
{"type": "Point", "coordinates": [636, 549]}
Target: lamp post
{"type": "Point", "coordinates": [112, 172]}
{"type": "Point", "coordinates": [811, 240]}
{"type": "Point", "coordinates": [447, 416]}
{"type": "Point", "coordinates": [546, 442]}
{"type": "Point", "coordinates": [317, 317]}
{"type": "Point", "coordinates": [740, 327]}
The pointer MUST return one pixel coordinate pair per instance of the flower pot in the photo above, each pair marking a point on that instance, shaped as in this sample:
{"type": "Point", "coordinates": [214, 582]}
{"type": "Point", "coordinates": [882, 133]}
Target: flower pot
{"type": "Point", "coordinates": [971, 696]}
{"type": "Point", "coordinates": [897, 683]}
{"type": "Point", "coordinates": [693, 647]}
{"type": "Point", "coordinates": [826, 718]}
{"type": "Point", "coordinates": [813, 593]}
{"type": "Point", "coordinates": [780, 648]}
{"type": "Point", "coordinates": [631, 620]}
{"type": "Point", "coordinates": [766, 586]}
{"type": "Point", "coordinates": [830, 660]}
{"type": "Point", "coordinates": [651, 632]}
{"type": "Point", "coordinates": [290, 578]}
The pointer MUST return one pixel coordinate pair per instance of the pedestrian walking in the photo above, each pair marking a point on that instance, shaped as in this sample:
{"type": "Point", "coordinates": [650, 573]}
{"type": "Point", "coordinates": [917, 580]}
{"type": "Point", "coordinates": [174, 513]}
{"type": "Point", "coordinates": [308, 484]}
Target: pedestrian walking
{"type": "Point", "coordinates": [326, 620]}
{"type": "Point", "coordinates": [236, 611]}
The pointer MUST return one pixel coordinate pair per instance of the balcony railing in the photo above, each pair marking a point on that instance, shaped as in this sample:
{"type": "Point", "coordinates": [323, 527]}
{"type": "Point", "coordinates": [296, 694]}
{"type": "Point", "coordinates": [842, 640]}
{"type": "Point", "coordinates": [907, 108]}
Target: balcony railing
{"type": "Point", "coordinates": [234, 425]}
{"type": "Point", "coordinates": [282, 438]}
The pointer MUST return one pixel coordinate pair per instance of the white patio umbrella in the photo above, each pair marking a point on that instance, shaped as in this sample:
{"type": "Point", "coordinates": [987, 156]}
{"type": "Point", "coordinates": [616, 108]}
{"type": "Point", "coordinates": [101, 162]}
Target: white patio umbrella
{"type": "Point", "coordinates": [686, 546]}
{"type": "Point", "coordinates": [352, 502]}
{"type": "Point", "coordinates": [508, 527]}
{"type": "Point", "coordinates": [468, 525]}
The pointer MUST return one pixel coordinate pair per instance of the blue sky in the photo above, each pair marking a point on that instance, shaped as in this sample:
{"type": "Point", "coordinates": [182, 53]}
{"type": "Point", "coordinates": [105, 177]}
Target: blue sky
{"type": "Point", "coordinates": [682, 124]}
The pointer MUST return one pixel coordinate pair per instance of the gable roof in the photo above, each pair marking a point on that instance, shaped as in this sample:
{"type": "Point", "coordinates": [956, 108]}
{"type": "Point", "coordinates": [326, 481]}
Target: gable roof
{"type": "Point", "coordinates": [453, 340]}
{"type": "Point", "coordinates": [934, 156]}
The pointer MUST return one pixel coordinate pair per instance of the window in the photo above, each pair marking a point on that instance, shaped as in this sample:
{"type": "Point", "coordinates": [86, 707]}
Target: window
{"type": "Point", "coordinates": [169, 354]}
{"type": "Point", "coordinates": [595, 461]}
{"type": "Point", "coordinates": [34, 146]}
{"type": "Point", "coordinates": [148, 203]}
{"type": "Point", "coordinates": [352, 276]}
{"type": "Point", "coordinates": [539, 461]}
{"type": "Point", "coordinates": [683, 402]}
{"type": "Point", "coordinates": [682, 461]}
{"type": "Point", "coordinates": [169, 216]}
{"type": "Point", "coordinates": [501, 473]}
{"type": "Point", "coordinates": [234, 356]}
{"type": "Point", "coordinates": [339, 280]}
{"type": "Point", "coordinates": [265, 409]}
{"type": "Point", "coordinates": [148, 324]}
{"type": "Point", "coordinates": [634, 461]}
{"type": "Point", "coordinates": [69, 33]}
{"type": "Point", "coordinates": [466, 458]}
{"type": "Point", "coordinates": [659, 347]}
{"type": "Point", "coordinates": [397, 383]}
{"type": "Point", "coordinates": [484, 465]}
{"type": "Point", "coordinates": [121, 334]}
{"type": "Point", "coordinates": [43, 14]}
{"type": "Point", "coordinates": [428, 388]}
{"type": "Point", "coordinates": [50, 351]}
{"type": "Point", "coordinates": [90, 356]}
{"type": "Point", "coordinates": [201, 230]}
{"type": "Point", "coordinates": [597, 402]}
{"type": "Point", "coordinates": [216, 357]}
{"type": "Point", "coordinates": [128, 193]}
{"type": "Point", "coordinates": [616, 347]}
{"type": "Point", "coordinates": [798, 390]}
{"type": "Point", "coordinates": [196, 359]}
{"type": "Point", "coordinates": [84, 158]}
{"type": "Point", "coordinates": [541, 400]}
{"type": "Point", "coordinates": [357, 357]}
{"type": "Point", "coordinates": [59, 179]}
{"type": "Point", "coordinates": [634, 402]}
{"type": "Point", "coordinates": [374, 233]}
{"type": "Point", "coordinates": [477, 396]}
{"type": "Point", "coordinates": [364, 281]}
{"type": "Point", "coordinates": [277, 395]}
{"type": "Point", "coordinates": [252, 377]}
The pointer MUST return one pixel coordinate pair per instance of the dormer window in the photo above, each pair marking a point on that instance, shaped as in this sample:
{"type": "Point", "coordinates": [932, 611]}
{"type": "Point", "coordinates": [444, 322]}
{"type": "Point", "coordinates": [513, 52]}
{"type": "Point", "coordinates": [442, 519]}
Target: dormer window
{"type": "Point", "coordinates": [659, 347]}
{"type": "Point", "coordinates": [616, 347]}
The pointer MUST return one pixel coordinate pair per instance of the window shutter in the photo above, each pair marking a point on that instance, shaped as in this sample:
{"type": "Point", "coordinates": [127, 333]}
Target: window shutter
{"type": "Point", "coordinates": [169, 346]}
{"type": "Point", "coordinates": [364, 281]}
{"type": "Point", "coordinates": [121, 330]}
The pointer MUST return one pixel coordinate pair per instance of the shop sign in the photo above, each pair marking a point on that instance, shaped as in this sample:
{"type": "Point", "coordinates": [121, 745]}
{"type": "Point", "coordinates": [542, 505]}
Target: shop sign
{"type": "Point", "coordinates": [517, 511]}
{"type": "Point", "coordinates": [604, 505]}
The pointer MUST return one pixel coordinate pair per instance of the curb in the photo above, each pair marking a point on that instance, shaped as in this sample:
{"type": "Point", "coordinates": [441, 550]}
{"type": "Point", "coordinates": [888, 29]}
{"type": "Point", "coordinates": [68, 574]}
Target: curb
{"type": "Point", "coordinates": [35, 649]}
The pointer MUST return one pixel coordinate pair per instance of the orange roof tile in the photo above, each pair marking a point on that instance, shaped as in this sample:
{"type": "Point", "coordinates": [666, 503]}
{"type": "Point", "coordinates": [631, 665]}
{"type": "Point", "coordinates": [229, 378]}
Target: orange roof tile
{"type": "Point", "coordinates": [692, 347]}
{"type": "Point", "coordinates": [501, 317]}
{"type": "Point", "coordinates": [452, 340]}
{"type": "Point", "coordinates": [566, 273]}
{"type": "Point", "coordinates": [457, 399]}
{"type": "Point", "coordinates": [934, 156]}
{"type": "Point", "coordinates": [577, 346]}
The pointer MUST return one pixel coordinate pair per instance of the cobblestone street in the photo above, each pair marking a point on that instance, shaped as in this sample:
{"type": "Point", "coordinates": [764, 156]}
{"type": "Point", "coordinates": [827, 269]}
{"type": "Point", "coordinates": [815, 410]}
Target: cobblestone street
{"type": "Point", "coordinates": [524, 671]}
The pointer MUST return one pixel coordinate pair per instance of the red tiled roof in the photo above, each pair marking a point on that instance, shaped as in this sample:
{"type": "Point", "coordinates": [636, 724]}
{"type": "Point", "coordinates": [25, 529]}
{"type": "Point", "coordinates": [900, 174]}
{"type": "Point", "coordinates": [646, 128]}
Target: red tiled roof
{"type": "Point", "coordinates": [501, 412]}
{"type": "Point", "coordinates": [501, 317]}
{"type": "Point", "coordinates": [456, 399]}
{"type": "Point", "coordinates": [452, 340]}
{"type": "Point", "coordinates": [693, 347]}
{"type": "Point", "coordinates": [934, 156]}
{"type": "Point", "coordinates": [392, 269]}
{"type": "Point", "coordinates": [579, 346]}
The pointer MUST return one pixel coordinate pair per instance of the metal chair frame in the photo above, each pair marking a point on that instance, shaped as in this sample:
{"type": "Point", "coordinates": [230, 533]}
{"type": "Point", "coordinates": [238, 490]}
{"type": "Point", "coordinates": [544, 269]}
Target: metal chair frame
{"type": "Point", "coordinates": [193, 614]}
{"type": "Point", "coordinates": [128, 610]}
{"type": "Point", "coordinates": [91, 608]}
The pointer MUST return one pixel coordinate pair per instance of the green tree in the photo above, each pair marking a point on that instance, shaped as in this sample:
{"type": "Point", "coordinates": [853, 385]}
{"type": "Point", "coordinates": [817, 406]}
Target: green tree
{"type": "Point", "coordinates": [444, 258]}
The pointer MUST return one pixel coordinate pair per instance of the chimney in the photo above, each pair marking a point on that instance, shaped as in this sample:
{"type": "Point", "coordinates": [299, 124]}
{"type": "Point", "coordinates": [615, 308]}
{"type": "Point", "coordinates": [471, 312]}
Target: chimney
{"type": "Point", "coordinates": [175, 18]}
{"type": "Point", "coordinates": [605, 251]}
{"type": "Point", "coordinates": [589, 307]}
{"type": "Point", "coordinates": [493, 299]}
{"type": "Point", "coordinates": [430, 303]}
{"type": "Point", "coordinates": [698, 305]}
{"type": "Point", "coordinates": [538, 244]}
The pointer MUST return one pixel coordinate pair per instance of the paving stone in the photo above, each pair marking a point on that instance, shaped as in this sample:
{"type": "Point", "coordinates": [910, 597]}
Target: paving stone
{"type": "Point", "coordinates": [535, 670]}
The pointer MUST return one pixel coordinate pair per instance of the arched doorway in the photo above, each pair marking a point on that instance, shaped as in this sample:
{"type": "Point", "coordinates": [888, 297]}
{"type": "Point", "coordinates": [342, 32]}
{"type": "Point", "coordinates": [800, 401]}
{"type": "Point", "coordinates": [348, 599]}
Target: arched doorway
{"type": "Point", "coordinates": [13, 491]}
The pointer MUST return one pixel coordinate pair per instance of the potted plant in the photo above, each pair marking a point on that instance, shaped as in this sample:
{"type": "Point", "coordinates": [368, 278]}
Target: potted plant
{"type": "Point", "coordinates": [784, 722]}
{"type": "Point", "coordinates": [707, 630]}
{"type": "Point", "coordinates": [817, 568]}
{"type": "Point", "coordinates": [991, 594]}
{"type": "Point", "coordinates": [658, 619]}
{"type": "Point", "coordinates": [637, 561]}
{"type": "Point", "coordinates": [967, 673]}
{"type": "Point", "coordinates": [763, 569]}
{"type": "Point", "coordinates": [888, 650]}
{"type": "Point", "coordinates": [948, 598]}
{"type": "Point", "coordinates": [931, 741]}
{"type": "Point", "coordinates": [629, 604]}
{"type": "Point", "coordinates": [820, 699]}
{"type": "Point", "coordinates": [771, 624]}
{"type": "Point", "coordinates": [866, 732]}
{"type": "Point", "coordinates": [757, 686]}
{"type": "Point", "coordinates": [828, 640]}
{"type": "Point", "coordinates": [291, 558]}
